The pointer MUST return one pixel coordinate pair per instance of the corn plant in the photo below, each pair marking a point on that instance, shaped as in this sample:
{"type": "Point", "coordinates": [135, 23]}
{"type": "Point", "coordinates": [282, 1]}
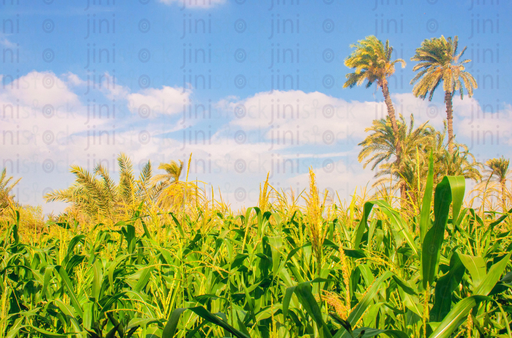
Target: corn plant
{"type": "Point", "coordinates": [277, 270]}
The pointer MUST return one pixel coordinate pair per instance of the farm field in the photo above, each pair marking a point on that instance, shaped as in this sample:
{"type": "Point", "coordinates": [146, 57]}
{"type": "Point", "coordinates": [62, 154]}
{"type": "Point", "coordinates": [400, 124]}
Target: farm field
{"type": "Point", "coordinates": [276, 270]}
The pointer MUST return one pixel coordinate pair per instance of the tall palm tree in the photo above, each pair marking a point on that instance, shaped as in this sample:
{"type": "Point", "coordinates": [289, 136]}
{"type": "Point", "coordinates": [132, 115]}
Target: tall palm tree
{"type": "Point", "coordinates": [498, 168]}
{"type": "Point", "coordinates": [381, 146]}
{"type": "Point", "coordinates": [372, 62]}
{"type": "Point", "coordinates": [439, 61]}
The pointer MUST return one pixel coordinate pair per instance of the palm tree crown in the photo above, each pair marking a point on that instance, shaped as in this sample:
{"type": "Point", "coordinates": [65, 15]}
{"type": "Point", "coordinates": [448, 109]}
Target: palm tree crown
{"type": "Point", "coordinates": [174, 193]}
{"type": "Point", "coordinates": [498, 168]}
{"type": "Point", "coordinates": [372, 63]}
{"type": "Point", "coordinates": [95, 193]}
{"type": "Point", "coordinates": [6, 188]}
{"type": "Point", "coordinates": [380, 147]}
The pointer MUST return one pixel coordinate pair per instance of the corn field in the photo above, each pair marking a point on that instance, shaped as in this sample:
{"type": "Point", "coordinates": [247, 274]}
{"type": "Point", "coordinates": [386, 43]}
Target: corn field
{"type": "Point", "coordinates": [281, 269]}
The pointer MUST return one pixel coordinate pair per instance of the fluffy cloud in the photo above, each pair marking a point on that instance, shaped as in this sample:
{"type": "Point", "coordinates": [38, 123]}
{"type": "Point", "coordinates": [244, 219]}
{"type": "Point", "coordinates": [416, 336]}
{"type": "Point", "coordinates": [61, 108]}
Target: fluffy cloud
{"type": "Point", "coordinates": [482, 124]}
{"type": "Point", "coordinates": [296, 118]}
{"type": "Point", "coordinates": [151, 102]}
{"type": "Point", "coordinates": [37, 111]}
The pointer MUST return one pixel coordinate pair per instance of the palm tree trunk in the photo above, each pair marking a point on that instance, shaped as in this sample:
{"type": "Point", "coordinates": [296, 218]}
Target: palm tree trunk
{"type": "Point", "coordinates": [394, 125]}
{"type": "Point", "coordinates": [449, 117]}
{"type": "Point", "coordinates": [391, 110]}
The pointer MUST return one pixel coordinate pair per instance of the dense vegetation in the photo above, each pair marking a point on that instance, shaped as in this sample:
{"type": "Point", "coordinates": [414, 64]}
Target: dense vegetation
{"type": "Point", "coordinates": [152, 256]}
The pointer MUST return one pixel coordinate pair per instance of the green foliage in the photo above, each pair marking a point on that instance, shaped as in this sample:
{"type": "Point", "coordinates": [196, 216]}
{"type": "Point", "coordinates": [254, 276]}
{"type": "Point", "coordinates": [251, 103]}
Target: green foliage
{"type": "Point", "coordinates": [418, 144]}
{"type": "Point", "coordinates": [371, 60]}
{"type": "Point", "coordinates": [6, 186]}
{"type": "Point", "coordinates": [439, 62]}
{"type": "Point", "coordinates": [216, 274]}
{"type": "Point", "coordinates": [96, 193]}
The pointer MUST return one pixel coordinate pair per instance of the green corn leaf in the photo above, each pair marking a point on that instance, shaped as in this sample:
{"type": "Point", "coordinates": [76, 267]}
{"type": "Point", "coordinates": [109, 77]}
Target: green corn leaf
{"type": "Point", "coordinates": [404, 286]}
{"type": "Point", "coordinates": [143, 279]}
{"type": "Point", "coordinates": [306, 298]}
{"type": "Point", "coordinates": [456, 316]}
{"type": "Point", "coordinates": [112, 269]}
{"type": "Point", "coordinates": [15, 328]}
{"type": "Point", "coordinates": [112, 332]}
{"type": "Point", "coordinates": [394, 218]}
{"type": "Point", "coordinates": [445, 286]}
{"type": "Point", "coordinates": [172, 323]}
{"type": "Point", "coordinates": [88, 319]}
{"type": "Point", "coordinates": [476, 267]}
{"type": "Point", "coordinates": [501, 219]}
{"type": "Point", "coordinates": [291, 290]}
{"type": "Point", "coordinates": [398, 223]}
{"type": "Point", "coordinates": [69, 288]}
{"type": "Point", "coordinates": [170, 327]}
{"type": "Point", "coordinates": [97, 279]}
{"type": "Point", "coordinates": [427, 200]}
{"type": "Point", "coordinates": [449, 188]}
{"type": "Point", "coordinates": [365, 302]}
{"type": "Point", "coordinates": [492, 277]}
{"type": "Point", "coordinates": [458, 187]}
{"type": "Point", "coordinates": [366, 332]}
{"type": "Point", "coordinates": [362, 224]}
{"type": "Point", "coordinates": [286, 300]}
{"type": "Point", "coordinates": [49, 334]}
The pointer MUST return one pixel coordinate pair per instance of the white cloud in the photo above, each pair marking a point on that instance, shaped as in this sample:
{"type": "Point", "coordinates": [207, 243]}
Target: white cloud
{"type": "Point", "coordinates": [194, 3]}
{"type": "Point", "coordinates": [39, 89]}
{"type": "Point", "coordinates": [111, 89]}
{"type": "Point", "coordinates": [292, 118]}
{"type": "Point", "coordinates": [6, 43]}
{"type": "Point", "coordinates": [423, 110]}
{"type": "Point", "coordinates": [337, 177]}
{"type": "Point", "coordinates": [167, 101]}
{"type": "Point", "coordinates": [73, 79]}
{"type": "Point", "coordinates": [482, 124]}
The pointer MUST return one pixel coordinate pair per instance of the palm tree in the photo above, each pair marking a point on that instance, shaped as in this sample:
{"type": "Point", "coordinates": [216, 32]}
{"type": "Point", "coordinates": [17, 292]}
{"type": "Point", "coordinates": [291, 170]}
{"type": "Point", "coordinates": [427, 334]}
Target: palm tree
{"type": "Point", "coordinates": [174, 193]}
{"type": "Point", "coordinates": [96, 194]}
{"type": "Point", "coordinates": [498, 168]}
{"type": "Point", "coordinates": [372, 63]}
{"type": "Point", "coordinates": [460, 162]}
{"type": "Point", "coordinates": [381, 146]}
{"type": "Point", "coordinates": [5, 189]}
{"type": "Point", "coordinates": [439, 61]}
{"type": "Point", "coordinates": [169, 184]}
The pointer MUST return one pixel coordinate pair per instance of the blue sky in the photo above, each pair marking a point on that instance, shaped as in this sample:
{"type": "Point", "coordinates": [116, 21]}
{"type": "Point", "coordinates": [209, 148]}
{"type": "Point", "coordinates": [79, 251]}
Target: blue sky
{"type": "Point", "coordinates": [261, 83]}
